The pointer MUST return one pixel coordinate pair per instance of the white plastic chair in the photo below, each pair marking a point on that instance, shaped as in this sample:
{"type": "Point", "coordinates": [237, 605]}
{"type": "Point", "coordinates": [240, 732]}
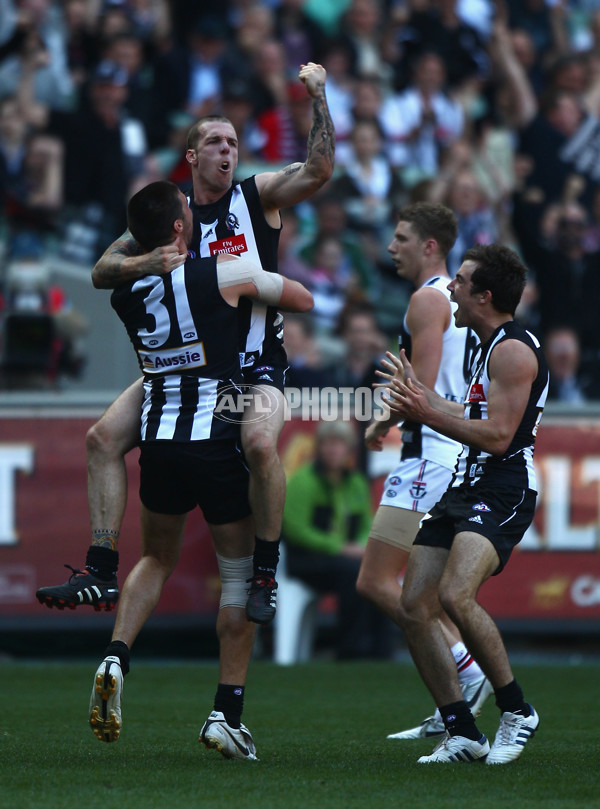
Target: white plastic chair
{"type": "Point", "coordinates": [295, 620]}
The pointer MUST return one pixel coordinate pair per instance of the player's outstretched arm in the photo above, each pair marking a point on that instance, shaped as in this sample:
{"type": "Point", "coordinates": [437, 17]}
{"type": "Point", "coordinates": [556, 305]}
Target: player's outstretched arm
{"type": "Point", "coordinates": [298, 181]}
{"type": "Point", "coordinates": [125, 260]}
{"type": "Point", "coordinates": [242, 278]}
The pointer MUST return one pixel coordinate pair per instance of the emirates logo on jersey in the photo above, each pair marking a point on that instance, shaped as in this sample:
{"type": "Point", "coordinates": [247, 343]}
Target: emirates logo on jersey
{"type": "Point", "coordinates": [476, 393]}
{"type": "Point", "coordinates": [235, 244]}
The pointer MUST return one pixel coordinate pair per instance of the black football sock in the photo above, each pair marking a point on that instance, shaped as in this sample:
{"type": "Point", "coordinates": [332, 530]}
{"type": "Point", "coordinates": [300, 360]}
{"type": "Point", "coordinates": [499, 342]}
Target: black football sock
{"type": "Point", "coordinates": [102, 562]}
{"type": "Point", "coordinates": [509, 699]}
{"type": "Point", "coordinates": [229, 700]}
{"type": "Point", "coordinates": [266, 556]}
{"type": "Point", "coordinates": [116, 648]}
{"type": "Point", "coordinates": [459, 721]}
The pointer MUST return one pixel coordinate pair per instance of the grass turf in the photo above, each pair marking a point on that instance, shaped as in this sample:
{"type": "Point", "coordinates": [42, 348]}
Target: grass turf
{"type": "Point", "coordinates": [320, 733]}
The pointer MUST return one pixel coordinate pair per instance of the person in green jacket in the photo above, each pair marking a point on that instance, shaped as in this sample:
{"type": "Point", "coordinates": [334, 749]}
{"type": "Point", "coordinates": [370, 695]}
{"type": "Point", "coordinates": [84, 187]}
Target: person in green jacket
{"type": "Point", "coordinates": [326, 522]}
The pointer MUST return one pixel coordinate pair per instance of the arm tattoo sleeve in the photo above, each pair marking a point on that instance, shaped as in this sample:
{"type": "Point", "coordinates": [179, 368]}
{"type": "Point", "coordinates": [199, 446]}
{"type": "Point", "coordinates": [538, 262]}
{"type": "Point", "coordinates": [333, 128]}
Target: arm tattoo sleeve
{"type": "Point", "coordinates": [321, 140]}
{"type": "Point", "coordinates": [108, 271]}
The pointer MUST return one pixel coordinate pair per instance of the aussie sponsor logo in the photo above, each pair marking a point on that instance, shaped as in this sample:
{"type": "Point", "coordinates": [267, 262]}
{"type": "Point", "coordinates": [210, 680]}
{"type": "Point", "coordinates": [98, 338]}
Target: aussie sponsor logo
{"type": "Point", "coordinates": [481, 507]}
{"type": "Point", "coordinates": [391, 493]}
{"type": "Point", "coordinates": [233, 244]}
{"type": "Point", "coordinates": [157, 362]}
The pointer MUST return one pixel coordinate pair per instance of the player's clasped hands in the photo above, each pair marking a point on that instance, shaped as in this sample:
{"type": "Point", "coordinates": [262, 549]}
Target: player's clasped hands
{"type": "Point", "coordinates": [404, 394]}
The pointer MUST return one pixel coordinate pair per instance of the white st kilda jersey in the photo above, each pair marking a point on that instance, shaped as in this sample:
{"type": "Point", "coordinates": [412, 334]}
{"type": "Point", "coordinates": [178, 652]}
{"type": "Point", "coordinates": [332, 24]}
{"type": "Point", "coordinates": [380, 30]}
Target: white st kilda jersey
{"type": "Point", "coordinates": [185, 337]}
{"type": "Point", "coordinates": [458, 348]}
{"type": "Point", "coordinates": [236, 224]}
{"type": "Point", "coordinates": [515, 466]}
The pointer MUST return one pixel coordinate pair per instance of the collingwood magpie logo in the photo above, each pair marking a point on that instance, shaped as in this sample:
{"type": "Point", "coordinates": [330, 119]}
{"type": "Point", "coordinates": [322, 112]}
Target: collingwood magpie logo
{"type": "Point", "coordinates": [232, 221]}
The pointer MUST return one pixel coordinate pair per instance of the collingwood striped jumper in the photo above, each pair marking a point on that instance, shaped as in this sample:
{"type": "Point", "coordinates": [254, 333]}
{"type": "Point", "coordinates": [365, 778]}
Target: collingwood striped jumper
{"type": "Point", "coordinates": [236, 224]}
{"type": "Point", "coordinates": [515, 466]}
{"type": "Point", "coordinates": [186, 339]}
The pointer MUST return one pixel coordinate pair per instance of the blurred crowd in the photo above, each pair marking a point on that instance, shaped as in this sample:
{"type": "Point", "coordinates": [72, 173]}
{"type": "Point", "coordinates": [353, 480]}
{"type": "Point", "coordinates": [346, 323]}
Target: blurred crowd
{"type": "Point", "coordinates": [490, 107]}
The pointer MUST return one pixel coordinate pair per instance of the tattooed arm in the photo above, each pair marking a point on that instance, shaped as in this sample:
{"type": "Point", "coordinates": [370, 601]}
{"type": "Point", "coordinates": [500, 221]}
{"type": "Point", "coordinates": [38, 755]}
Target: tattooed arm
{"type": "Point", "coordinates": [125, 260]}
{"type": "Point", "coordinates": [299, 180]}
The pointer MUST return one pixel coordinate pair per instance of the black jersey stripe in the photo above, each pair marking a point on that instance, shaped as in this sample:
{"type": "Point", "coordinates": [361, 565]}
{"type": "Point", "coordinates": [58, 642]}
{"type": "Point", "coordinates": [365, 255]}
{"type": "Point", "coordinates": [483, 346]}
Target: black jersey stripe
{"type": "Point", "coordinates": [187, 410]}
{"type": "Point", "coordinates": [158, 400]}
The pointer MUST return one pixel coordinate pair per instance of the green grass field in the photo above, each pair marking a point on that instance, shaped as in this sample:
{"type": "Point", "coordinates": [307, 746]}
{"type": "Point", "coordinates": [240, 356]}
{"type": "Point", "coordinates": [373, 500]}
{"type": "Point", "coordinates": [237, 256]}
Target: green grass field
{"type": "Point", "coordinates": [320, 733]}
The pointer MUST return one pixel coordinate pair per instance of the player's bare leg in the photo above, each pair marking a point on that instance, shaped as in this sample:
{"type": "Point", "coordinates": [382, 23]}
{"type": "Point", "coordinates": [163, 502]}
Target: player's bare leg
{"type": "Point", "coordinates": [223, 730]}
{"type": "Point", "coordinates": [263, 421]}
{"type": "Point", "coordinates": [419, 613]}
{"type": "Point", "coordinates": [107, 442]}
{"type": "Point", "coordinates": [473, 560]}
{"type": "Point", "coordinates": [379, 581]}
{"type": "Point", "coordinates": [162, 536]}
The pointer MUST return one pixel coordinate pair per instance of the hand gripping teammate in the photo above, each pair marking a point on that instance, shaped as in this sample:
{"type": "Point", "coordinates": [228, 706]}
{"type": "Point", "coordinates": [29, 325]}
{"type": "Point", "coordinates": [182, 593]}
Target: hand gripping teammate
{"type": "Point", "coordinates": [241, 218]}
{"type": "Point", "coordinates": [189, 453]}
{"type": "Point", "coordinates": [440, 354]}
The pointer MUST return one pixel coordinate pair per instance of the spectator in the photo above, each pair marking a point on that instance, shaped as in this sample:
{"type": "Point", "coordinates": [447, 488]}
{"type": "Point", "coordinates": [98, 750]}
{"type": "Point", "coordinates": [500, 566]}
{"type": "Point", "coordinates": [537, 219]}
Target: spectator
{"type": "Point", "coordinates": [477, 223]}
{"type": "Point", "coordinates": [126, 50]}
{"type": "Point", "coordinates": [189, 74]}
{"type": "Point", "coordinates": [151, 20]}
{"type": "Point", "coordinates": [81, 42]}
{"type": "Point", "coordinates": [363, 27]}
{"type": "Point", "coordinates": [237, 105]}
{"type": "Point", "coordinates": [300, 37]}
{"type": "Point", "coordinates": [31, 175]}
{"type": "Point", "coordinates": [364, 344]}
{"type": "Point", "coordinates": [30, 36]}
{"type": "Point", "coordinates": [303, 354]}
{"type": "Point", "coordinates": [335, 56]}
{"type": "Point", "coordinates": [367, 105]}
{"type": "Point", "coordinates": [332, 220]}
{"type": "Point", "coordinates": [534, 17]}
{"type": "Point", "coordinates": [421, 120]}
{"type": "Point", "coordinates": [369, 185]}
{"type": "Point", "coordinates": [291, 264]}
{"type": "Point", "coordinates": [438, 28]}
{"type": "Point", "coordinates": [325, 526]}
{"type": "Point", "coordinates": [329, 279]}
{"type": "Point", "coordinates": [563, 355]}
{"type": "Point", "coordinates": [105, 153]}
{"type": "Point", "coordinates": [284, 106]}
{"type": "Point", "coordinates": [568, 278]}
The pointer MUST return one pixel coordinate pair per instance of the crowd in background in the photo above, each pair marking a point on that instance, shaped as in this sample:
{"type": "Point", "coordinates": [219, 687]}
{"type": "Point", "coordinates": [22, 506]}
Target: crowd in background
{"type": "Point", "coordinates": [490, 107]}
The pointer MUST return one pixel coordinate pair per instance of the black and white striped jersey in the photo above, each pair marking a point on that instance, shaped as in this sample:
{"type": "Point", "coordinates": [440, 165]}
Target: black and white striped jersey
{"type": "Point", "coordinates": [236, 224]}
{"type": "Point", "coordinates": [186, 339]}
{"type": "Point", "coordinates": [515, 466]}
